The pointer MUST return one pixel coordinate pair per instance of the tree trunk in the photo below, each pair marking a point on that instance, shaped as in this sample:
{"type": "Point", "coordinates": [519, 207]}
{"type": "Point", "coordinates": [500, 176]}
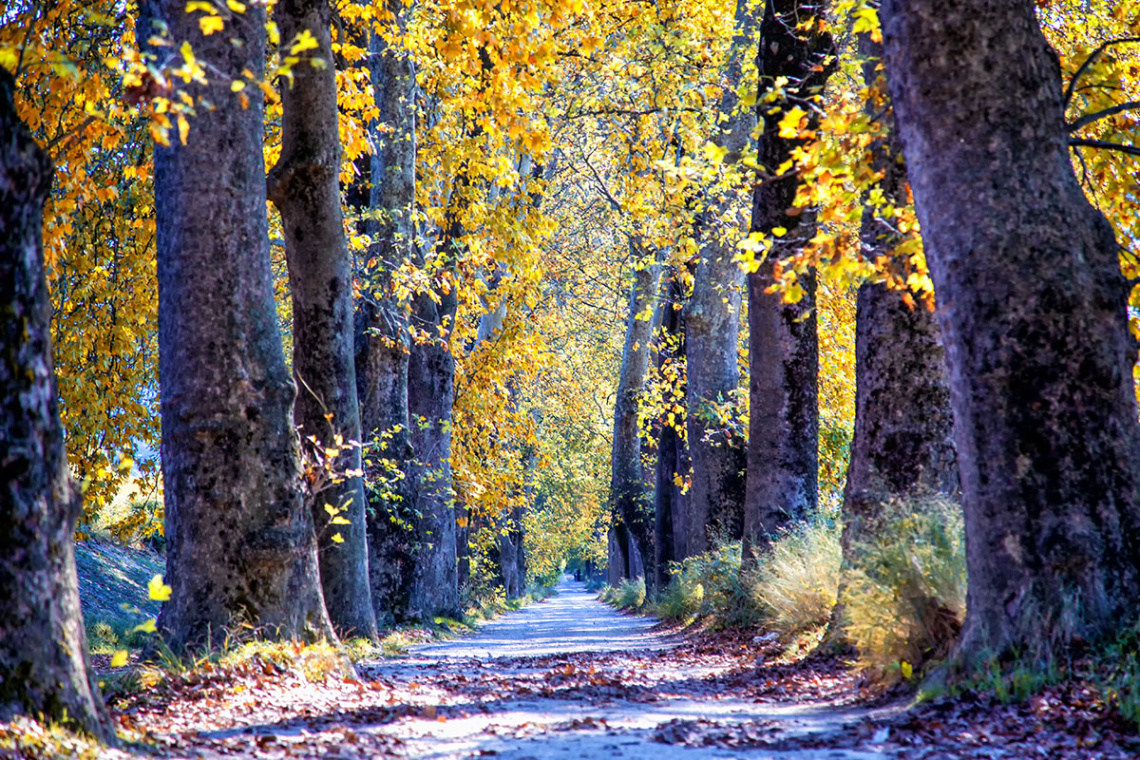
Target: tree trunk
{"type": "Point", "coordinates": [712, 329]}
{"type": "Point", "coordinates": [43, 646]}
{"type": "Point", "coordinates": [783, 356]}
{"type": "Point", "coordinates": [903, 442]}
{"type": "Point", "coordinates": [382, 340]}
{"type": "Point", "coordinates": [240, 541]}
{"type": "Point", "coordinates": [1033, 310]}
{"type": "Point", "coordinates": [668, 506]}
{"type": "Point", "coordinates": [630, 502]}
{"type": "Point", "coordinates": [305, 187]}
{"type": "Point", "coordinates": [434, 587]}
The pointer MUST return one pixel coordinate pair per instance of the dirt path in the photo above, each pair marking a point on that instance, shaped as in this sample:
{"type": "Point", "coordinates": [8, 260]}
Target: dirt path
{"type": "Point", "coordinates": [572, 678]}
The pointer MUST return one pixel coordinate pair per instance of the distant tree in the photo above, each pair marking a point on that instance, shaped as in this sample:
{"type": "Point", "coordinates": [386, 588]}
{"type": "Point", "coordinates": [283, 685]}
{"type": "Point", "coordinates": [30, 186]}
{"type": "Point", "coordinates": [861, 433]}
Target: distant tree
{"type": "Point", "coordinates": [382, 338]}
{"type": "Point", "coordinates": [712, 323]}
{"type": "Point", "coordinates": [240, 542]}
{"type": "Point", "coordinates": [668, 496]}
{"type": "Point", "coordinates": [305, 187]}
{"type": "Point", "coordinates": [1033, 310]}
{"type": "Point", "coordinates": [633, 527]}
{"type": "Point", "coordinates": [783, 357]}
{"type": "Point", "coordinates": [43, 648]}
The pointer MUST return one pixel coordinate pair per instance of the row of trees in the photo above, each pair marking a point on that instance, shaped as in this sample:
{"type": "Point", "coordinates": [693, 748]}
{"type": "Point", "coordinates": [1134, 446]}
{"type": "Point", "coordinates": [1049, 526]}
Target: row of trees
{"type": "Point", "coordinates": [1018, 399]}
{"type": "Point", "coordinates": [450, 183]}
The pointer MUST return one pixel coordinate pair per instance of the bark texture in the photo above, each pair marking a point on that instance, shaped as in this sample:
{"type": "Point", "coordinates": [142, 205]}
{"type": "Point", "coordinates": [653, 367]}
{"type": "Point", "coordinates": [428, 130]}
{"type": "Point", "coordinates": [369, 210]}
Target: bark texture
{"type": "Point", "coordinates": [712, 328]}
{"type": "Point", "coordinates": [629, 498]}
{"type": "Point", "coordinates": [903, 442]}
{"type": "Point", "coordinates": [434, 581]}
{"type": "Point", "coordinates": [240, 542]}
{"type": "Point", "coordinates": [382, 340]}
{"type": "Point", "coordinates": [1032, 306]}
{"type": "Point", "coordinates": [43, 647]}
{"type": "Point", "coordinates": [783, 356]}
{"type": "Point", "coordinates": [305, 187]}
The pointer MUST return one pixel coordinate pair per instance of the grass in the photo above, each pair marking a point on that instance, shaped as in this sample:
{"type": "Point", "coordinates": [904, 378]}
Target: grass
{"type": "Point", "coordinates": [630, 595]}
{"type": "Point", "coordinates": [906, 593]}
{"type": "Point", "coordinates": [795, 581]}
{"type": "Point", "coordinates": [113, 593]}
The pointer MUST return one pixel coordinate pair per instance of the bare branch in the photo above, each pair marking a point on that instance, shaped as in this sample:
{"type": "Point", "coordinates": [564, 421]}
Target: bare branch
{"type": "Point", "coordinates": [1087, 119]}
{"type": "Point", "coordinates": [1131, 150]}
{"type": "Point", "coordinates": [1090, 61]}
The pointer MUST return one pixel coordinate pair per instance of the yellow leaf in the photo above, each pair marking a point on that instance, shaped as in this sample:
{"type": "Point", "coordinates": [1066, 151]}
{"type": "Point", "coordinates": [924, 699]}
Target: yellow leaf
{"type": "Point", "coordinates": [907, 669]}
{"type": "Point", "coordinates": [304, 41]}
{"type": "Point", "coordinates": [157, 590]}
{"type": "Point", "coordinates": [235, 6]}
{"type": "Point", "coordinates": [790, 123]}
{"type": "Point", "coordinates": [147, 627]}
{"type": "Point", "coordinates": [183, 129]}
{"type": "Point", "coordinates": [338, 538]}
{"type": "Point", "coordinates": [211, 24]}
{"type": "Point", "coordinates": [120, 658]}
{"type": "Point", "coordinates": [188, 54]}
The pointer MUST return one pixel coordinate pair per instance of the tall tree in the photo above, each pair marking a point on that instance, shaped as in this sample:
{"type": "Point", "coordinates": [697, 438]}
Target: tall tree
{"type": "Point", "coordinates": [382, 340]}
{"type": "Point", "coordinates": [668, 501]}
{"type": "Point", "coordinates": [1032, 305]}
{"type": "Point", "coordinates": [304, 185]}
{"type": "Point", "coordinates": [903, 442]}
{"type": "Point", "coordinates": [43, 648]}
{"type": "Point", "coordinates": [783, 356]}
{"type": "Point", "coordinates": [434, 582]}
{"type": "Point", "coordinates": [240, 542]}
{"type": "Point", "coordinates": [630, 499]}
{"type": "Point", "coordinates": [712, 322]}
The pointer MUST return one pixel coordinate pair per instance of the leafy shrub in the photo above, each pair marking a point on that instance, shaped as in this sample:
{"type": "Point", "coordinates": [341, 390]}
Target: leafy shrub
{"type": "Point", "coordinates": [630, 595]}
{"type": "Point", "coordinates": [906, 596]}
{"type": "Point", "coordinates": [709, 585]}
{"type": "Point", "coordinates": [796, 579]}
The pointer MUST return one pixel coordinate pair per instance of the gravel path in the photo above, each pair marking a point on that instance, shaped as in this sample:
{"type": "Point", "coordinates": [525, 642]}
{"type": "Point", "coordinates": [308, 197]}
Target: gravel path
{"type": "Point", "coordinates": [572, 678]}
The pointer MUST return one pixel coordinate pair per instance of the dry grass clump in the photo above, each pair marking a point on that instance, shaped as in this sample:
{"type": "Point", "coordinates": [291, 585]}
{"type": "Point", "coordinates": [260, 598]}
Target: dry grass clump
{"type": "Point", "coordinates": [796, 579]}
{"type": "Point", "coordinates": [906, 593]}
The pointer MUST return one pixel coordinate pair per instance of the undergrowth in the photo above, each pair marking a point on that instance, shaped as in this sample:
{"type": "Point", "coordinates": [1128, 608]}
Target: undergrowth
{"type": "Point", "coordinates": [906, 593]}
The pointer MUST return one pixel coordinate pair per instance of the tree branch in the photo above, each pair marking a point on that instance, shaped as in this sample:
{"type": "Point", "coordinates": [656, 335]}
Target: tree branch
{"type": "Point", "coordinates": [1090, 61]}
{"type": "Point", "coordinates": [1131, 150]}
{"type": "Point", "coordinates": [1087, 119]}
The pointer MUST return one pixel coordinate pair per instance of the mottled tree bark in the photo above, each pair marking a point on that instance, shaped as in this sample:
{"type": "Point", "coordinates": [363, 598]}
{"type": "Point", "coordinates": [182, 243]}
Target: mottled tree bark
{"type": "Point", "coordinates": [903, 442]}
{"type": "Point", "coordinates": [305, 187]}
{"type": "Point", "coordinates": [668, 499]}
{"type": "Point", "coordinates": [1032, 306]}
{"type": "Point", "coordinates": [629, 498]}
{"type": "Point", "coordinates": [712, 328]}
{"type": "Point", "coordinates": [43, 647]}
{"type": "Point", "coordinates": [241, 547]}
{"type": "Point", "coordinates": [783, 356]}
{"type": "Point", "coordinates": [434, 581]}
{"type": "Point", "coordinates": [382, 341]}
